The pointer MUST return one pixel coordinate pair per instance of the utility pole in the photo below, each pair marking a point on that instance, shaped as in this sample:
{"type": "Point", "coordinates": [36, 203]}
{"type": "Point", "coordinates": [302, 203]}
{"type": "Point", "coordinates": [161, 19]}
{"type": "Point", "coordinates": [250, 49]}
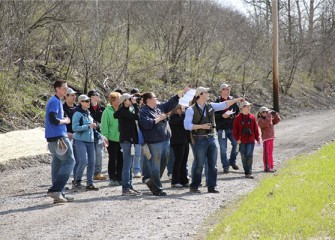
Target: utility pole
{"type": "Point", "coordinates": [275, 55]}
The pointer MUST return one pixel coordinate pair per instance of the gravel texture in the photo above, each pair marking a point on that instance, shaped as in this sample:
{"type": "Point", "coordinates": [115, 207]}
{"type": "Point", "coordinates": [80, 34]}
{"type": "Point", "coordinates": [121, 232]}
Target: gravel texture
{"type": "Point", "coordinates": [27, 213]}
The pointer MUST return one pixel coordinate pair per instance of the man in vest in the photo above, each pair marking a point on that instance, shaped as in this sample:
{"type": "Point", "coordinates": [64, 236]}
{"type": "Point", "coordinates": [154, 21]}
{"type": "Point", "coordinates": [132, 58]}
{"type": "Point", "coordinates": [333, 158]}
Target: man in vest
{"type": "Point", "coordinates": [224, 126]}
{"type": "Point", "coordinates": [200, 120]}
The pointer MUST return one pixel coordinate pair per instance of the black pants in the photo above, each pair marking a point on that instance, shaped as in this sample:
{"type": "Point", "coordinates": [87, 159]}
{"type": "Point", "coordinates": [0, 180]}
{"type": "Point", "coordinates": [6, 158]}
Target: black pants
{"type": "Point", "coordinates": [115, 161]}
{"type": "Point", "coordinates": [179, 167]}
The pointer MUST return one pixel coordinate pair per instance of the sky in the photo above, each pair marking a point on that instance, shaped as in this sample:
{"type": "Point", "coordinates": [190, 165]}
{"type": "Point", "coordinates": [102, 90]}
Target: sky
{"type": "Point", "coordinates": [235, 4]}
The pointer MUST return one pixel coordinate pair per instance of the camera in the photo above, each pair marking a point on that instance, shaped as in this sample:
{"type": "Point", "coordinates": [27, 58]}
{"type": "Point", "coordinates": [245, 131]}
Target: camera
{"type": "Point", "coordinates": [138, 100]}
{"type": "Point", "coordinates": [246, 131]}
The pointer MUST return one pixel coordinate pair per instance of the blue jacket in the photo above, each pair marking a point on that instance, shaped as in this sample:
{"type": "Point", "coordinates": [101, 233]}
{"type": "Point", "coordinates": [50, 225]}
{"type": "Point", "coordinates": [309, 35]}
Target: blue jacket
{"type": "Point", "coordinates": [152, 132]}
{"type": "Point", "coordinates": [80, 125]}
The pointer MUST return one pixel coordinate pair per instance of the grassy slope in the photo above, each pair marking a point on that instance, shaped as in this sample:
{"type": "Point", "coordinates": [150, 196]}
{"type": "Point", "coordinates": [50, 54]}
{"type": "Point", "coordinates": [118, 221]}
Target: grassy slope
{"type": "Point", "coordinates": [298, 202]}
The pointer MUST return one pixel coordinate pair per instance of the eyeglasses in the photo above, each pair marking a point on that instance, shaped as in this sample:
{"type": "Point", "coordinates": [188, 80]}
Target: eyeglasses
{"type": "Point", "coordinates": [86, 101]}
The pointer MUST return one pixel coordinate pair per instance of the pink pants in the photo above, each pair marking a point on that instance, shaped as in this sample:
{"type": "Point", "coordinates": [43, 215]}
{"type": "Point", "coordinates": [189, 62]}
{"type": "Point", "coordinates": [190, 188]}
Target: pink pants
{"type": "Point", "coordinates": [268, 155]}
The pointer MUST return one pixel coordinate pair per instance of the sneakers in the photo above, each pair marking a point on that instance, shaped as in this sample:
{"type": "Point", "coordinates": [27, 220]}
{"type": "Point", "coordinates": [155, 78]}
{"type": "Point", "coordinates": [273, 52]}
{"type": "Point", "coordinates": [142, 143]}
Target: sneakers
{"type": "Point", "coordinates": [226, 170]}
{"type": "Point", "coordinates": [234, 166]}
{"type": "Point", "coordinates": [91, 187]}
{"type": "Point", "coordinates": [135, 191]}
{"type": "Point", "coordinates": [270, 170]}
{"type": "Point", "coordinates": [213, 190]}
{"type": "Point", "coordinates": [137, 175]}
{"type": "Point", "coordinates": [99, 177]}
{"type": "Point", "coordinates": [177, 185]}
{"type": "Point", "coordinates": [77, 185]}
{"type": "Point", "coordinates": [193, 190]}
{"type": "Point", "coordinates": [113, 183]}
{"type": "Point", "coordinates": [57, 196]}
{"type": "Point", "coordinates": [249, 176]}
{"type": "Point", "coordinates": [130, 192]}
{"type": "Point", "coordinates": [160, 193]}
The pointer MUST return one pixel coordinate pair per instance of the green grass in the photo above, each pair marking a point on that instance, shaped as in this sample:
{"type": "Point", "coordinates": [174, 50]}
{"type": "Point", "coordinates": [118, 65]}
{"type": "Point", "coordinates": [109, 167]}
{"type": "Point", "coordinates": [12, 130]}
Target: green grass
{"type": "Point", "coordinates": [298, 202]}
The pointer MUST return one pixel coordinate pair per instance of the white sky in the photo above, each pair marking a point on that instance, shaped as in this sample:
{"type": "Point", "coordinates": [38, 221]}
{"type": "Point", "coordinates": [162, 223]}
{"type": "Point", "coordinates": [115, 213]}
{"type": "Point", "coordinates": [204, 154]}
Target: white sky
{"type": "Point", "coordinates": [235, 4]}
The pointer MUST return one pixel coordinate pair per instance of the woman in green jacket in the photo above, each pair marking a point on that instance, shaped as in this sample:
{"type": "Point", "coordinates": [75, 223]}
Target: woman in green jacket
{"type": "Point", "coordinates": [110, 129]}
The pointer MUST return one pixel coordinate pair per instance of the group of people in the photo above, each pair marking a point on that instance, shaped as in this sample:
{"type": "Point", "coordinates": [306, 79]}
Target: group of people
{"type": "Point", "coordinates": [139, 131]}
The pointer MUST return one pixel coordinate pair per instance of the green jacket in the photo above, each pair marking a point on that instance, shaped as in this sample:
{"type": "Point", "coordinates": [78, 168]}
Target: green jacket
{"type": "Point", "coordinates": [110, 125]}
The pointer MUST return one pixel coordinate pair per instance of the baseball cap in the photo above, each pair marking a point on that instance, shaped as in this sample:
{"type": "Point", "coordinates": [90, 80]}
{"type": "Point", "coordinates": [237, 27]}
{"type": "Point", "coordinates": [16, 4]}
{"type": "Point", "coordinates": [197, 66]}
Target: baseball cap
{"type": "Point", "coordinates": [134, 90]}
{"type": "Point", "coordinates": [200, 90]}
{"type": "Point", "coordinates": [244, 103]}
{"type": "Point", "coordinates": [264, 109]}
{"type": "Point", "coordinates": [224, 86]}
{"type": "Point", "coordinates": [70, 91]}
{"type": "Point", "coordinates": [83, 97]}
{"type": "Point", "coordinates": [93, 93]}
{"type": "Point", "coordinates": [125, 96]}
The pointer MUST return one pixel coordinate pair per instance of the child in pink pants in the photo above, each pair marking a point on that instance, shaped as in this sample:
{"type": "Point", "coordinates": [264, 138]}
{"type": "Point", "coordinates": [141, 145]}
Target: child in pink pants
{"type": "Point", "coordinates": [267, 118]}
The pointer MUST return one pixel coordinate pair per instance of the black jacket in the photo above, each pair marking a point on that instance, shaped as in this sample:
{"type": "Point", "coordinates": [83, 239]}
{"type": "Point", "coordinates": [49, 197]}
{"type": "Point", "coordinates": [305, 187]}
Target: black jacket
{"type": "Point", "coordinates": [226, 123]}
{"type": "Point", "coordinates": [127, 123]}
{"type": "Point", "coordinates": [96, 115]}
{"type": "Point", "coordinates": [68, 112]}
{"type": "Point", "coordinates": [179, 134]}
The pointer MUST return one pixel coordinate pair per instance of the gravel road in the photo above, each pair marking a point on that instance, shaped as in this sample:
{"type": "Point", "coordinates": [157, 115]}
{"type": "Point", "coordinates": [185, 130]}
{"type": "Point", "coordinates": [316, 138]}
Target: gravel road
{"type": "Point", "coordinates": [27, 213]}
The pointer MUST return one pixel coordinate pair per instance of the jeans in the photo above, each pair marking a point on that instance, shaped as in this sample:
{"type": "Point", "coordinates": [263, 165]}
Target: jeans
{"type": "Point", "coordinates": [61, 166]}
{"type": "Point", "coordinates": [247, 151]}
{"type": "Point", "coordinates": [85, 155]}
{"type": "Point", "coordinates": [170, 163]}
{"type": "Point", "coordinates": [205, 149]}
{"type": "Point", "coordinates": [138, 159]}
{"type": "Point", "coordinates": [127, 166]}
{"type": "Point", "coordinates": [228, 134]}
{"type": "Point", "coordinates": [75, 159]}
{"type": "Point", "coordinates": [160, 155]}
{"type": "Point", "coordinates": [99, 151]}
{"type": "Point", "coordinates": [205, 164]}
{"type": "Point", "coordinates": [145, 169]}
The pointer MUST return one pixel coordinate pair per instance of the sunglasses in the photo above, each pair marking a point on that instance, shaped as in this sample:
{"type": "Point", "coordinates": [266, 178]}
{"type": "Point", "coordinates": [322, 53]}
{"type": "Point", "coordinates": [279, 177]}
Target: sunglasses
{"type": "Point", "coordinates": [86, 101]}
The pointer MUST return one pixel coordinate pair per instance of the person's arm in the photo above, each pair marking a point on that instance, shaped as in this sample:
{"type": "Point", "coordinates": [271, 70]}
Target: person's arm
{"type": "Point", "coordinates": [276, 118]}
{"type": "Point", "coordinates": [236, 130]}
{"type": "Point", "coordinates": [226, 104]}
{"type": "Point", "coordinates": [104, 123]}
{"type": "Point", "coordinates": [188, 125]}
{"type": "Point", "coordinates": [256, 130]}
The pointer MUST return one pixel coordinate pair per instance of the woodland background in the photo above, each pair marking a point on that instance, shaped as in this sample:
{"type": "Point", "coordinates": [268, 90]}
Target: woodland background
{"type": "Point", "coordinates": [161, 46]}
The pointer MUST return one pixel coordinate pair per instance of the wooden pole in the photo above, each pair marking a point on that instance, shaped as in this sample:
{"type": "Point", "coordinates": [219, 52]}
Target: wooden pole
{"type": "Point", "coordinates": [275, 55]}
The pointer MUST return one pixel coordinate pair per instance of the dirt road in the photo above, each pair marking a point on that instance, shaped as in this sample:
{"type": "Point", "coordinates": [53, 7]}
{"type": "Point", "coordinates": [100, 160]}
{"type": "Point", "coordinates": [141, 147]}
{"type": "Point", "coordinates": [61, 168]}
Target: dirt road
{"type": "Point", "coordinates": [27, 213]}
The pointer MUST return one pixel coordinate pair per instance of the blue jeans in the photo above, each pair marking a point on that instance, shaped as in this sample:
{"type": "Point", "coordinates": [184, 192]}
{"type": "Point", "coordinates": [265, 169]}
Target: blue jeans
{"type": "Point", "coordinates": [127, 166]}
{"type": "Point", "coordinates": [247, 152]}
{"type": "Point", "coordinates": [205, 164]}
{"type": "Point", "coordinates": [99, 151]}
{"type": "Point", "coordinates": [61, 166]}
{"type": "Point", "coordinates": [160, 155]}
{"type": "Point", "coordinates": [145, 169]}
{"type": "Point", "coordinates": [205, 148]}
{"type": "Point", "coordinates": [170, 162]}
{"type": "Point", "coordinates": [223, 148]}
{"type": "Point", "coordinates": [85, 157]}
{"type": "Point", "coordinates": [138, 159]}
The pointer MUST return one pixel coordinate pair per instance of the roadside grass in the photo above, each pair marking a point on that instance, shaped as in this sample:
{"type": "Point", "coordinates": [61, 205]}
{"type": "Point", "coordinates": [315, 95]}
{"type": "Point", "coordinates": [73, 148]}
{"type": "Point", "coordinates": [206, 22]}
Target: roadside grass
{"type": "Point", "coordinates": [297, 202]}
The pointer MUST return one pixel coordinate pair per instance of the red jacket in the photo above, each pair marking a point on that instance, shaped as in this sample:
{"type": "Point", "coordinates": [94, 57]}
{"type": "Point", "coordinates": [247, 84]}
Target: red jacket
{"type": "Point", "coordinates": [267, 125]}
{"type": "Point", "coordinates": [241, 125]}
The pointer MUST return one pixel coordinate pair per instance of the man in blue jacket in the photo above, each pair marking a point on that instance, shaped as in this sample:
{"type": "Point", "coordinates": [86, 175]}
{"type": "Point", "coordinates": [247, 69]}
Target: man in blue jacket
{"type": "Point", "coordinates": [58, 143]}
{"type": "Point", "coordinates": [155, 130]}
